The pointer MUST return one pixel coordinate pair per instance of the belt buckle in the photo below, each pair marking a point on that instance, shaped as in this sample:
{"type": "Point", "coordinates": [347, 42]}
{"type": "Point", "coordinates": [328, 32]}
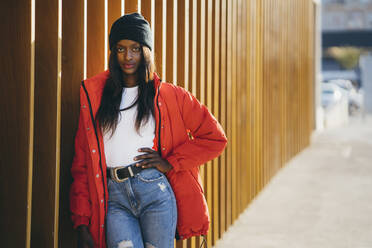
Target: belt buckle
{"type": "Point", "coordinates": [114, 174]}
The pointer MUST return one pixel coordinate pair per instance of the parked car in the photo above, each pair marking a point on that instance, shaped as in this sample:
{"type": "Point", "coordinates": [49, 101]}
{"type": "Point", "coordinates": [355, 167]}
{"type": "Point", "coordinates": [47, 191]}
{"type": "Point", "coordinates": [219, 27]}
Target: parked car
{"type": "Point", "coordinates": [355, 97]}
{"type": "Point", "coordinates": [331, 94]}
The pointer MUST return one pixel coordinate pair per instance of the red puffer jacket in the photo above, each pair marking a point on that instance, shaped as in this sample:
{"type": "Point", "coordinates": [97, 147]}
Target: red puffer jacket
{"type": "Point", "coordinates": [188, 136]}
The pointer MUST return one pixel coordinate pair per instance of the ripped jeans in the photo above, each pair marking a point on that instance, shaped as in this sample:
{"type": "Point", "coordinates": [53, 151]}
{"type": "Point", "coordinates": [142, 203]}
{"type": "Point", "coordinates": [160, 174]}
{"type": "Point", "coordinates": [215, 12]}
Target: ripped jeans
{"type": "Point", "coordinates": [142, 212]}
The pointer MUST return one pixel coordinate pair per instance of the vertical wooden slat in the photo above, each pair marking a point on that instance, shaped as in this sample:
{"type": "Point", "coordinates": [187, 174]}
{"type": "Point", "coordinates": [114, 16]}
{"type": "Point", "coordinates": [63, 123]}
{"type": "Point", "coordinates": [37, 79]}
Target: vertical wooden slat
{"type": "Point", "coordinates": [259, 102]}
{"type": "Point", "coordinates": [234, 111]}
{"type": "Point", "coordinates": [131, 6]}
{"type": "Point", "coordinates": [208, 97]}
{"type": "Point", "coordinates": [223, 82]}
{"type": "Point", "coordinates": [47, 125]}
{"type": "Point", "coordinates": [229, 116]}
{"type": "Point", "coordinates": [216, 110]}
{"type": "Point", "coordinates": [95, 46]}
{"type": "Point", "coordinates": [181, 35]}
{"type": "Point", "coordinates": [192, 46]}
{"type": "Point", "coordinates": [113, 13]}
{"type": "Point", "coordinates": [244, 122]}
{"type": "Point", "coordinates": [73, 73]}
{"type": "Point", "coordinates": [170, 63]}
{"type": "Point", "coordinates": [237, 70]}
{"type": "Point", "coordinates": [252, 13]}
{"type": "Point", "coordinates": [158, 37]}
{"type": "Point", "coordinates": [16, 107]}
{"type": "Point", "coordinates": [146, 8]}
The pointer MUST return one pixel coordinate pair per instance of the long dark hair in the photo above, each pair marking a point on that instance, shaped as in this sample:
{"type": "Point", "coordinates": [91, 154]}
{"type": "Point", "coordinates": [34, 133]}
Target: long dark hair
{"type": "Point", "coordinates": [108, 112]}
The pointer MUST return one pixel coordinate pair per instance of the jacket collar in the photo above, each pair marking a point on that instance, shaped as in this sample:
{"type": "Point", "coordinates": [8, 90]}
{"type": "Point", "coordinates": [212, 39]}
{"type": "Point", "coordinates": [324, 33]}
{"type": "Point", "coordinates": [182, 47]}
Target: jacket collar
{"type": "Point", "coordinates": [97, 82]}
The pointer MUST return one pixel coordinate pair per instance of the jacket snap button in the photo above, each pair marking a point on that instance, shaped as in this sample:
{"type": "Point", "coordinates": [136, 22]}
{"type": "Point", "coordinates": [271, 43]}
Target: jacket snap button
{"type": "Point", "coordinates": [97, 176]}
{"type": "Point", "coordinates": [101, 201]}
{"type": "Point", "coordinates": [163, 148]}
{"type": "Point", "coordinates": [162, 126]}
{"type": "Point", "coordinates": [84, 106]}
{"type": "Point", "coordinates": [159, 103]}
{"type": "Point", "coordinates": [94, 150]}
{"type": "Point", "coordinates": [88, 128]}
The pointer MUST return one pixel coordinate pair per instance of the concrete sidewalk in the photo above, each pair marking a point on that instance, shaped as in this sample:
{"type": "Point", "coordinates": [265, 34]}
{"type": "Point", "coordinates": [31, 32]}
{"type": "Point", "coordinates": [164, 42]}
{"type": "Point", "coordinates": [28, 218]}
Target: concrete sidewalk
{"type": "Point", "coordinates": [322, 198]}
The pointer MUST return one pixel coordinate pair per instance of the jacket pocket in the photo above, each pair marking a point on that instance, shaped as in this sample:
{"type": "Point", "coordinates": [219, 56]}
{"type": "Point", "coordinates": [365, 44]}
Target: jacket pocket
{"type": "Point", "coordinates": [196, 181]}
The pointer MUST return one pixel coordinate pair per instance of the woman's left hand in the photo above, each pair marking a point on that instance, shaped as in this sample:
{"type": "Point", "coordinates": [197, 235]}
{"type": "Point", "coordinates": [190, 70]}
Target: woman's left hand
{"type": "Point", "coordinates": [152, 159]}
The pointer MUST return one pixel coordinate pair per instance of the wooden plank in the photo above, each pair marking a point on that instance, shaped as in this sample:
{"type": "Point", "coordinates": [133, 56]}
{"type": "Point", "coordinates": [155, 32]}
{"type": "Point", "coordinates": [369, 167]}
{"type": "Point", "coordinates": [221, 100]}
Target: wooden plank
{"type": "Point", "coordinates": [238, 102]}
{"type": "Point", "coordinates": [113, 13]}
{"type": "Point", "coordinates": [234, 112]}
{"type": "Point", "coordinates": [16, 105]}
{"type": "Point", "coordinates": [131, 6]}
{"type": "Point", "coordinates": [229, 116]}
{"type": "Point", "coordinates": [252, 13]}
{"type": "Point", "coordinates": [192, 46]}
{"type": "Point", "coordinates": [208, 97]}
{"type": "Point", "coordinates": [73, 74]}
{"type": "Point", "coordinates": [222, 119]}
{"type": "Point", "coordinates": [95, 44]}
{"type": "Point", "coordinates": [245, 122]}
{"type": "Point", "coordinates": [201, 50]}
{"type": "Point", "coordinates": [47, 125]}
{"type": "Point", "coordinates": [158, 37]}
{"type": "Point", "coordinates": [181, 52]}
{"type": "Point", "coordinates": [258, 94]}
{"type": "Point", "coordinates": [146, 9]}
{"type": "Point", "coordinates": [170, 62]}
{"type": "Point", "coordinates": [216, 110]}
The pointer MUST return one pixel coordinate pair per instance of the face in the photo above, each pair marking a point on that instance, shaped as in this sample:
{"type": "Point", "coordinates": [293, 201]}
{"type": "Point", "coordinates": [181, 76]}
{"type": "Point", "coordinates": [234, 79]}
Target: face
{"type": "Point", "coordinates": [129, 56]}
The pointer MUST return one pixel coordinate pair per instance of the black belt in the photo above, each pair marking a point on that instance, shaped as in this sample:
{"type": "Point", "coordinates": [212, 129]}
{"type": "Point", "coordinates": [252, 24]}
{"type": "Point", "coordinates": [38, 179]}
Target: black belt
{"type": "Point", "coordinates": [120, 174]}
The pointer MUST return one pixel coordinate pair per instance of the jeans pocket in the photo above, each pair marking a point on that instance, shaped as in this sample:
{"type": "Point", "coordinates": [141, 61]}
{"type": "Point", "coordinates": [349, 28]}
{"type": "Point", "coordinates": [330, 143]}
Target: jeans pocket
{"type": "Point", "coordinates": [150, 175]}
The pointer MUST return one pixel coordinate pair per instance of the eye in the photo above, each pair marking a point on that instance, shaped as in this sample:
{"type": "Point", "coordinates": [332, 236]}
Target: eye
{"type": "Point", "coordinates": [136, 49]}
{"type": "Point", "coordinates": [120, 49]}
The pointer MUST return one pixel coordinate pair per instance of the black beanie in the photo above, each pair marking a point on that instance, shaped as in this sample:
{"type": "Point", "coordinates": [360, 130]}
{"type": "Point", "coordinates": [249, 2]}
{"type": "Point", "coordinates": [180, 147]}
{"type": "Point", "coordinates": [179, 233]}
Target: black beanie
{"type": "Point", "coordinates": [131, 27]}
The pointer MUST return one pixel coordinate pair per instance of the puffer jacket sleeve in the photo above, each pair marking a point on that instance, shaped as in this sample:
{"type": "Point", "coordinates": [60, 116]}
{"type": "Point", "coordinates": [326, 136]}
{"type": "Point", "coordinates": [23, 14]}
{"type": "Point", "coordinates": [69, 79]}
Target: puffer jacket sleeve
{"type": "Point", "coordinates": [79, 192]}
{"type": "Point", "coordinates": [207, 138]}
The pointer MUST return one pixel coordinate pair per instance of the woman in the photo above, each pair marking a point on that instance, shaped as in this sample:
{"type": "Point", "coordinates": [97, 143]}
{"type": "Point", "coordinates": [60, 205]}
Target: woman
{"type": "Point", "coordinates": [137, 151]}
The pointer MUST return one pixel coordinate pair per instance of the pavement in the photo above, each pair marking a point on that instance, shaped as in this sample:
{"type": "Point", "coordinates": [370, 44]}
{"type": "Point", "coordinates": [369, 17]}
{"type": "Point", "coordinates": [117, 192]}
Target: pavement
{"type": "Point", "coordinates": [321, 198]}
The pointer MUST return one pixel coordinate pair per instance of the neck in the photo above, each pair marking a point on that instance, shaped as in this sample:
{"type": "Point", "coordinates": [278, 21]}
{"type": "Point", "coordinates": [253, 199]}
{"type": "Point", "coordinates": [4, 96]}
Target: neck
{"type": "Point", "coordinates": [130, 80]}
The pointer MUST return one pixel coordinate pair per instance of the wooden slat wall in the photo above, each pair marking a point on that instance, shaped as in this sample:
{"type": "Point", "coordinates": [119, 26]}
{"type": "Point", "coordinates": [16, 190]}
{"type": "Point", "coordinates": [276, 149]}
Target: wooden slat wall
{"type": "Point", "coordinates": [250, 62]}
{"type": "Point", "coordinates": [73, 73]}
{"type": "Point", "coordinates": [45, 200]}
{"type": "Point", "coordinates": [17, 49]}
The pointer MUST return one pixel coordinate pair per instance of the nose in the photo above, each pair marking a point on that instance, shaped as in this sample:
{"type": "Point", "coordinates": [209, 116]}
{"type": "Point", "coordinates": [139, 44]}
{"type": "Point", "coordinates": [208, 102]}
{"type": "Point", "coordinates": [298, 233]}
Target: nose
{"type": "Point", "coordinates": [128, 55]}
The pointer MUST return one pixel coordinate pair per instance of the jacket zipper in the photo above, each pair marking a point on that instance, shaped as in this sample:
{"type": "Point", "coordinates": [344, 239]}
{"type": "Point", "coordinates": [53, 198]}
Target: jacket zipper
{"type": "Point", "coordinates": [157, 104]}
{"type": "Point", "coordinates": [99, 148]}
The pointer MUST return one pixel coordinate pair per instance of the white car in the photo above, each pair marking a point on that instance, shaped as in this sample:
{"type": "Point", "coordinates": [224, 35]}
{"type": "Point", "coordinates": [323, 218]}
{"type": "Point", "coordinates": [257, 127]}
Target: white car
{"type": "Point", "coordinates": [355, 98]}
{"type": "Point", "coordinates": [331, 94]}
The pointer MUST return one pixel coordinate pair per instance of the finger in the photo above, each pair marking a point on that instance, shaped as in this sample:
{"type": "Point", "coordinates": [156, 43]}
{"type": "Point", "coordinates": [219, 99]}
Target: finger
{"type": "Point", "coordinates": [147, 161]}
{"type": "Point", "coordinates": [146, 149]}
{"type": "Point", "coordinates": [145, 156]}
{"type": "Point", "coordinates": [147, 166]}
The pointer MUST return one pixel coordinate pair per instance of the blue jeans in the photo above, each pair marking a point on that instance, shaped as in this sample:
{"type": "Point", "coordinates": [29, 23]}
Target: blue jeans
{"type": "Point", "coordinates": [142, 212]}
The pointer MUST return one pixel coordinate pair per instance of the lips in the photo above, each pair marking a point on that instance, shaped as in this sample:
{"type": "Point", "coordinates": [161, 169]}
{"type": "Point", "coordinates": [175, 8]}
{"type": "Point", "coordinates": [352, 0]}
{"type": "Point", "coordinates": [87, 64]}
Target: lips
{"type": "Point", "coordinates": [128, 66]}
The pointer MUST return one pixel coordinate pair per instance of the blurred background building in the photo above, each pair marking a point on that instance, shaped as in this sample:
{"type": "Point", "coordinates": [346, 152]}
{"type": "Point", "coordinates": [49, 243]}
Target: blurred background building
{"type": "Point", "coordinates": [346, 56]}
